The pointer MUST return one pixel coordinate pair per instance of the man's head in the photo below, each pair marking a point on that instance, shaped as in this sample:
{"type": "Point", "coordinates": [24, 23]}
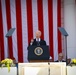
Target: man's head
{"type": "Point", "coordinates": [60, 57]}
{"type": "Point", "coordinates": [38, 34]}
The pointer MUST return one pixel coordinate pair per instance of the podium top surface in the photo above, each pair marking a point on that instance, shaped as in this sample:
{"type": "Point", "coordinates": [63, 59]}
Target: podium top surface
{"type": "Point", "coordinates": [10, 32]}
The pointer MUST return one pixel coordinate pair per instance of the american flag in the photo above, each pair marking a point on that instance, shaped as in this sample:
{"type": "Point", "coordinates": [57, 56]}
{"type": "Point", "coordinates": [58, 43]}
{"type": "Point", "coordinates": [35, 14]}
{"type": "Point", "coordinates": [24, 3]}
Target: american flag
{"type": "Point", "coordinates": [27, 16]}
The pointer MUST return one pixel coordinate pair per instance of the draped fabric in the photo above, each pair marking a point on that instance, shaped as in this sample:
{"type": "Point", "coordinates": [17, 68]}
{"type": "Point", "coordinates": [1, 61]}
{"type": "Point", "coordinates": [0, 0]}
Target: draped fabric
{"type": "Point", "coordinates": [27, 16]}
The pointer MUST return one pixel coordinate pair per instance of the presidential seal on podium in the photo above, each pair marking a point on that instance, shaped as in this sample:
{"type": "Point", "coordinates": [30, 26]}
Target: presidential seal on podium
{"type": "Point", "coordinates": [38, 51]}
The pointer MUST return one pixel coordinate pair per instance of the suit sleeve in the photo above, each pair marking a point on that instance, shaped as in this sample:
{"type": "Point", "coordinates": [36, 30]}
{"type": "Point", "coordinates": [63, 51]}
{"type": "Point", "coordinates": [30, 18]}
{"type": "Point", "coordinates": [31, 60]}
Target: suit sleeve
{"type": "Point", "coordinates": [44, 42]}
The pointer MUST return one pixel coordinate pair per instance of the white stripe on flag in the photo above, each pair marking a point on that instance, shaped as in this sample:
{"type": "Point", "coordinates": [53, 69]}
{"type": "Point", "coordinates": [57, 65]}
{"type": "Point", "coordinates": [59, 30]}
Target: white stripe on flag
{"type": "Point", "coordinates": [35, 17]}
{"type": "Point", "coordinates": [55, 40]}
{"type": "Point", "coordinates": [4, 27]}
{"type": "Point", "coordinates": [24, 29]}
{"type": "Point", "coordinates": [13, 24]}
{"type": "Point", "coordinates": [45, 20]}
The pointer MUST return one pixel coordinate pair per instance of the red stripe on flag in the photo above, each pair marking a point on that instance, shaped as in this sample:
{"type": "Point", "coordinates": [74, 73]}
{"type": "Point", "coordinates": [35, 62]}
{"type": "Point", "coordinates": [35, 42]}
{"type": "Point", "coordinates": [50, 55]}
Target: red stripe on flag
{"type": "Point", "coordinates": [50, 22]}
{"type": "Point", "coordinates": [1, 35]}
{"type": "Point", "coordinates": [29, 20]}
{"type": "Point", "coordinates": [59, 25]}
{"type": "Point", "coordinates": [40, 17]}
{"type": "Point", "coordinates": [19, 30]}
{"type": "Point", "coordinates": [8, 16]}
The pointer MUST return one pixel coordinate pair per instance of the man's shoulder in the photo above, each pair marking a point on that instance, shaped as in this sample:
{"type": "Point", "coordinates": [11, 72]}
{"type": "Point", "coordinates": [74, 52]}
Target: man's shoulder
{"type": "Point", "coordinates": [42, 40]}
{"type": "Point", "coordinates": [34, 39]}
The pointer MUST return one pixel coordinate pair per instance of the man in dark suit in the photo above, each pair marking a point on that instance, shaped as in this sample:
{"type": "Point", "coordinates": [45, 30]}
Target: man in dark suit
{"type": "Point", "coordinates": [60, 58]}
{"type": "Point", "coordinates": [38, 41]}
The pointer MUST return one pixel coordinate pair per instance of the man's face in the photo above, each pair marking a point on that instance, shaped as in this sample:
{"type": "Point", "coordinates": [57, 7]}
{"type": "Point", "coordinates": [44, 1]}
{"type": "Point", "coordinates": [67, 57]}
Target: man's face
{"type": "Point", "coordinates": [60, 58]}
{"type": "Point", "coordinates": [38, 34]}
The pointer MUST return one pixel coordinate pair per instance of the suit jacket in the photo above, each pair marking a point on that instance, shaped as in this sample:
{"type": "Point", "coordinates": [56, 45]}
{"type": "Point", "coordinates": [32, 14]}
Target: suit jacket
{"type": "Point", "coordinates": [61, 61]}
{"type": "Point", "coordinates": [40, 43]}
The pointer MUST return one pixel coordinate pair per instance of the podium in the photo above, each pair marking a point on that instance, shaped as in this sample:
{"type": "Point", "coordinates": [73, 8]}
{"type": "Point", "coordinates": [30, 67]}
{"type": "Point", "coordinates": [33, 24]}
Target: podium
{"type": "Point", "coordinates": [38, 53]}
{"type": "Point", "coordinates": [56, 68]}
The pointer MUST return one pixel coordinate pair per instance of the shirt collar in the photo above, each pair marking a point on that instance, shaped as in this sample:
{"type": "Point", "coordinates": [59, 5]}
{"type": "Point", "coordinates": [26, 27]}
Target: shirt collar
{"type": "Point", "coordinates": [37, 39]}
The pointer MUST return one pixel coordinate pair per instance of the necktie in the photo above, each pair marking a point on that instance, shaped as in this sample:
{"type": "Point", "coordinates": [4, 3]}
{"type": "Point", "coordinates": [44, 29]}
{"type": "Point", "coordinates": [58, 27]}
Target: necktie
{"type": "Point", "coordinates": [38, 44]}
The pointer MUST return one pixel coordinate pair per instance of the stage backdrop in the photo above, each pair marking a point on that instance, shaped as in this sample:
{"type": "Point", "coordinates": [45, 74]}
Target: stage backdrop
{"type": "Point", "coordinates": [27, 16]}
